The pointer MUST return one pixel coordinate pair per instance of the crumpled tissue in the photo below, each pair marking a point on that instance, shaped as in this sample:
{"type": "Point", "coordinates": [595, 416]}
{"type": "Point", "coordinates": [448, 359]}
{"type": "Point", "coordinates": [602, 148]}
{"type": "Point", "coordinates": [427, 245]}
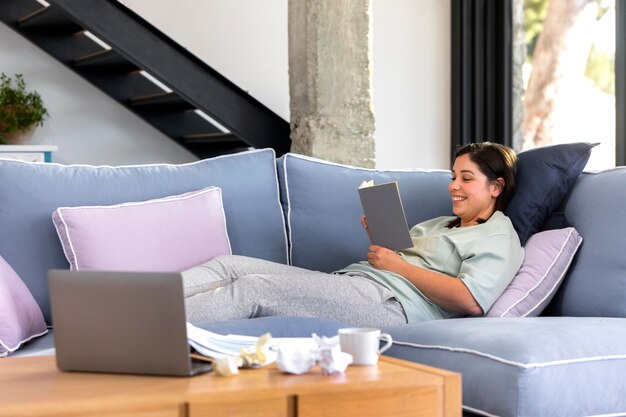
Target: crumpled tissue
{"type": "Point", "coordinates": [299, 358]}
{"type": "Point", "coordinates": [228, 365]}
{"type": "Point", "coordinates": [257, 355]}
{"type": "Point", "coordinates": [249, 356]}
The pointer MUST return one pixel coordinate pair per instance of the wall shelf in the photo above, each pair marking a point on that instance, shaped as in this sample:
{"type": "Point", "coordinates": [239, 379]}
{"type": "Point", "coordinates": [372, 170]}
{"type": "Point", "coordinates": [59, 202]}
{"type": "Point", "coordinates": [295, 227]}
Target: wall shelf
{"type": "Point", "coordinates": [30, 153]}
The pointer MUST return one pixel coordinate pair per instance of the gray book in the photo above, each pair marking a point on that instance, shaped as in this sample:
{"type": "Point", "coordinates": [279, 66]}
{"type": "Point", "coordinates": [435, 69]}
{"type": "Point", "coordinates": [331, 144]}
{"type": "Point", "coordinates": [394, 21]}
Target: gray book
{"type": "Point", "coordinates": [385, 216]}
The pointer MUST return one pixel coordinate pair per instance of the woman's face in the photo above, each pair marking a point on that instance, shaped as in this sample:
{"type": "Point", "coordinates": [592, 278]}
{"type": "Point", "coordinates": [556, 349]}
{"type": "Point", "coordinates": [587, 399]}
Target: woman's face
{"type": "Point", "coordinates": [473, 194]}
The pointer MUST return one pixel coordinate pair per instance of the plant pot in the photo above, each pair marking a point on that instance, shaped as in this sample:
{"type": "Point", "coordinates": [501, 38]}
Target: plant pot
{"type": "Point", "coordinates": [20, 137]}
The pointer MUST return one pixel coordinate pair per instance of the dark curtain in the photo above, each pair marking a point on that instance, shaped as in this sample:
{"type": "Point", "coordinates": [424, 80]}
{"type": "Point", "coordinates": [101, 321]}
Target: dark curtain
{"type": "Point", "coordinates": [620, 83]}
{"type": "Point", "coordinates": [482, 33]}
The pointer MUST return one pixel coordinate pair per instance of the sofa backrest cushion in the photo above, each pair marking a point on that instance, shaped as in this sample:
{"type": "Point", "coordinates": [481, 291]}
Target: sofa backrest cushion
{"type": "Point", "coordinates": [596, 282]}
{"type": "Point", "coordinates": [323, 209]}
{"type": "Point", "coordinates": [30, 192]}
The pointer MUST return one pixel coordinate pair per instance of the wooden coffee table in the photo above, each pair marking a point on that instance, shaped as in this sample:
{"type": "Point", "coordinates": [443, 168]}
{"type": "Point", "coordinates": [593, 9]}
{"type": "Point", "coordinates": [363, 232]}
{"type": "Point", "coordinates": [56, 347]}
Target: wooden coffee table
{"type": "Point", "coordinates": [34, 387]}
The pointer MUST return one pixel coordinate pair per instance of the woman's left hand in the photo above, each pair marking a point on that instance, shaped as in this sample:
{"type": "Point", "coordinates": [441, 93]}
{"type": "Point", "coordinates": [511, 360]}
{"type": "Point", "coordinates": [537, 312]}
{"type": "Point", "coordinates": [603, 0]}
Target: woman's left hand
{"type": "Point", "coordinates": [383, 258]}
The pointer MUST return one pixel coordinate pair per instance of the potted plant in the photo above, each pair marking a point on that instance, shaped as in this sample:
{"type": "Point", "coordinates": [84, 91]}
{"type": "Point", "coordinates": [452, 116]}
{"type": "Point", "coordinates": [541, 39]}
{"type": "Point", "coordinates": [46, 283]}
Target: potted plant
{"type": "Point", "coordinates": [21, 111]}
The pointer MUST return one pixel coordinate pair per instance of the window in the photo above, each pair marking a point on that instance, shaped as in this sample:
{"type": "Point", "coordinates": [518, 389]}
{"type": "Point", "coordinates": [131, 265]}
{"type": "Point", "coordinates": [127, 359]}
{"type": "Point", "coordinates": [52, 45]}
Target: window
{"type": "Point", "coordinates": [530, 73]}
{"type": "Point", "coordinates": [568, 76]}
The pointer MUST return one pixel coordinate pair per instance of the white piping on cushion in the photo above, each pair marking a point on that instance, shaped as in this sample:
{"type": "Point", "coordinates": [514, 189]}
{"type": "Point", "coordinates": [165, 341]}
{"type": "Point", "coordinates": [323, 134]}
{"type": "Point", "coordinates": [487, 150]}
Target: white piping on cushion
{"type": "Point", "coordinates": [510, 362]}
{"type": "Point", "coordinates": [140, 165]}
{"type": "Point", "coordinates": [9, 350]}
{"type": "Point", "coordinates": [324, 162]}
{"type": "Point", "coordinates": [72, 260]}
{"type": "Point", "coordinates": [557, 282]}
{"type": "Point", "coordinates": [477, 411]}
{"type": "Point", "coordinates": [160, 200]}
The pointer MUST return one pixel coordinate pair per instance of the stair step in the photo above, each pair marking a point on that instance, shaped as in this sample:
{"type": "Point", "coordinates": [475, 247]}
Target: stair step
{"type": "Point", "coordinates": [209, 151]}
{"type": "Point", "coordinates": [160, 98]}
{"type": "Point", "coordinates": [216, 137]}
{"type": "Point", "coordinates": [49, 19]}
{"type": "Point", "coordinates": [169, 104]}
{"type": "Point", "coordinates": [81, 45]}
{"type": "Point", "coordinates": [34, 15]}
{"type": "Point", "coordinates": [106, 59]}
{"type": "Point", "coordinates": [175, 124]}
{"type": "Point", "coordinates": [11, 11]}
{"type": "Point", "coordinates": [119, 86]}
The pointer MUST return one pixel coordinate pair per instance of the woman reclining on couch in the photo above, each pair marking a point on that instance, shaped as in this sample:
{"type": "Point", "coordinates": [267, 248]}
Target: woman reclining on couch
{"type": "Point", "coordinates": [458, 265]}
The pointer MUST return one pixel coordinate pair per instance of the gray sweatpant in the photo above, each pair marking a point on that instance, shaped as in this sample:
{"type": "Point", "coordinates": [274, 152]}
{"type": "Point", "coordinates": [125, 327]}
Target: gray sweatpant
{"type": "Point", "coordinates": [237, 287]}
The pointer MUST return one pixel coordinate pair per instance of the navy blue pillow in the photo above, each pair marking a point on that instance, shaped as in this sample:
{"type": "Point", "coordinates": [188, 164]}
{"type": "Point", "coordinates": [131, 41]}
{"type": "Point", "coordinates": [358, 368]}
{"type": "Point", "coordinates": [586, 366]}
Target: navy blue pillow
{"type": "Point", "coordinates": [544, 177]}
{"type": "Point", "coordinates": [555, 221]}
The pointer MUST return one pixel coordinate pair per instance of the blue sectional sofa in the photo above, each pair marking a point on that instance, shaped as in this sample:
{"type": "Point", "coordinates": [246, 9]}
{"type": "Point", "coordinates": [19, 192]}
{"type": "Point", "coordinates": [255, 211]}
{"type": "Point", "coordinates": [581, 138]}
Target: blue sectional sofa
{"type": "Point", "coordinates": [569, 361]}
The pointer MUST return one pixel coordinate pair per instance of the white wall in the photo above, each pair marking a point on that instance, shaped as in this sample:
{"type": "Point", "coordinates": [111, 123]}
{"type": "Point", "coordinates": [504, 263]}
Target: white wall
{"type": "Point", "coordinates": [412, 83]}
{"type": "Point", "coordinates": [411, 64]}
{"type": "Point", "coordinates": [247, 41]}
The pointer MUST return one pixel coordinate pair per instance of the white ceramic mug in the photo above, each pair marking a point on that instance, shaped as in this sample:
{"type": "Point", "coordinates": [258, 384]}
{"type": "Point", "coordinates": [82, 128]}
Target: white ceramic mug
{"type": "Point", "coordinates": [363, 344]}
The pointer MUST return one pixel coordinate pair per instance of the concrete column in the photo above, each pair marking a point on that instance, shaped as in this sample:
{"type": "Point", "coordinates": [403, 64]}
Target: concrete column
{"type": "Point", "coordinates": [330, 80]}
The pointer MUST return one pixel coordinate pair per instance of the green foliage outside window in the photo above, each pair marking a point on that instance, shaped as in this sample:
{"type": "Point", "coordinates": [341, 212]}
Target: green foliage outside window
{"type": "Point", "coordinates": [600, 66]}
{"type": "Point", "coordinates": [534, 15]}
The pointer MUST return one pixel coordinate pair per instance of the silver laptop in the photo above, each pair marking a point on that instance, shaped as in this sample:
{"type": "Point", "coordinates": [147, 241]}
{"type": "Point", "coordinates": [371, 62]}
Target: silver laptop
{"type": "Point", "coordinates": [121, 322]}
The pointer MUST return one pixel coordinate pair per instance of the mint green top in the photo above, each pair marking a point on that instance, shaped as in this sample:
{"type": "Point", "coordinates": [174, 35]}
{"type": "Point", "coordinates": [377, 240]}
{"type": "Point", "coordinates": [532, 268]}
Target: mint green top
{"type": "Point", "coordinates": [485, 257]}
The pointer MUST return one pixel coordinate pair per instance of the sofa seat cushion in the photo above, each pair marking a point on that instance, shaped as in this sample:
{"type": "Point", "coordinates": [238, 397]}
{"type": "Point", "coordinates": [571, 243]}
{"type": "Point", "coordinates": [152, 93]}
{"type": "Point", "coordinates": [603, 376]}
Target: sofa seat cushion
{"type": "Point", "coordinates": [30, 192]}
{"type": "Point", "coordinates": [534, 366]}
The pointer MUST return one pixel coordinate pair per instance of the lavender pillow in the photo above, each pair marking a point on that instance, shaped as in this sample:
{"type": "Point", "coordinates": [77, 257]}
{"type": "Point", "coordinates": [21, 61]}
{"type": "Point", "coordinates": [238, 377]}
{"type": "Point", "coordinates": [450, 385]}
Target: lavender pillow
{"type": "Point", "coordinates": [548, 256]}
{"type": "Point", "coordinates": [20, 316]}
{"type": "Point", "coordinates": [166, 234]}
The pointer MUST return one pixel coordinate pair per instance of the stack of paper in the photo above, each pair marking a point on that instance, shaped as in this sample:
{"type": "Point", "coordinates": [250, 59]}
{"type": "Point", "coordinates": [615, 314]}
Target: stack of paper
{"type": "Point", "coordinates": [215, 345]}
{"type": "Point", "coordinates": [218, 346]}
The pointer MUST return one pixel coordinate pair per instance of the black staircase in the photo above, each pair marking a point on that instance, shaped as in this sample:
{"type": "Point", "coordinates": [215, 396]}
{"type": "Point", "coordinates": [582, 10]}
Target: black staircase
{"type": "Point", "coordinates": [150, 74]}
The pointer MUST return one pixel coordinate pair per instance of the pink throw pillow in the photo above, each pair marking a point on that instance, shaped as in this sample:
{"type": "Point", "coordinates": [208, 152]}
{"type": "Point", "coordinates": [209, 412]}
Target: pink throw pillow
{"type": "Point", "coordinates": [548, 256]}
{"type": "Point", "coordinates": [166, 234]}
{"type": "Point", "coordinates": [20, 316]}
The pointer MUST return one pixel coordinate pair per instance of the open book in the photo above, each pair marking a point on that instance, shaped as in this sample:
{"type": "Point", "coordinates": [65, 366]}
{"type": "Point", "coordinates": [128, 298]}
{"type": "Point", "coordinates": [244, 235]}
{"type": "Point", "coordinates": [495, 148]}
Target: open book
{"type": "Point", "coordinates": [385, 216]}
